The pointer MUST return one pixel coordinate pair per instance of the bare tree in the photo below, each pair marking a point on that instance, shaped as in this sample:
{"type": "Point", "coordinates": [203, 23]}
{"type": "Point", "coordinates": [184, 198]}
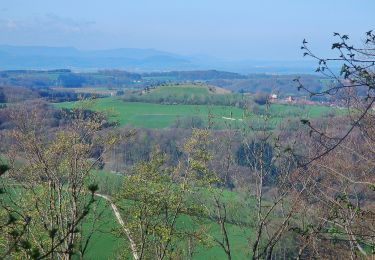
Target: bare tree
{"type": "Point", "coordinates": [49, 182]}
{"type": "Point", "coordinates": [339, 161]}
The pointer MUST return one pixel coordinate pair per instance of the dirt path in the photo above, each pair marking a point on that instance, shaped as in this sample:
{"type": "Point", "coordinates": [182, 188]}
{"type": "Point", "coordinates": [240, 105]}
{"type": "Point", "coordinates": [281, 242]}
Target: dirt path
{"type": "Point", "coordinates": [133, 245]}
{"type": "Point", "coordinates": [233, 119]}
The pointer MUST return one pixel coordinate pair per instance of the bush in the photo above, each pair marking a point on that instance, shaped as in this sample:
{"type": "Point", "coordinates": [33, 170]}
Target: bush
{"type": "Point", "coordinates": [261, 98]}
{"type": "Point", "coordinates": [190, 122]}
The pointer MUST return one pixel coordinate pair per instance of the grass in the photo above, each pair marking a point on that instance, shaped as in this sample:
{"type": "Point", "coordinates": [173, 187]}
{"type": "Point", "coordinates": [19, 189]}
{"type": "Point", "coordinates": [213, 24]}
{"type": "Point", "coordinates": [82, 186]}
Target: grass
{"type": "Point", "coordinates": [181, 90]}
{"type": "Point", "coordinates": [309, 111]}
{"type": "Point", "coordinates": [104, 243]}
{"type": "Point", "coordinates": [281, 113]}
{"type": "Point", "coordinates": [150, 115]}
{"type": "Point", "coordinates": [185, 94]}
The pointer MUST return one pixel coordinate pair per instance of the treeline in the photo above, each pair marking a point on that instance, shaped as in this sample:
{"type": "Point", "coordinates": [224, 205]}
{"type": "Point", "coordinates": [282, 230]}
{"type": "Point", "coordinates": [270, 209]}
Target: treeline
{"type": "Point", "coordinates": [105, 78]}
{"type": "Point", "coordinates": [16, 94]}
{"type": "Point", "coordinates": [52, 118]}
{"type": "Point", "coordinates": [283, 85]}
{"type": "Point", "coordinates": [11, 94]}
{"type": "Point", "coordinates": [67, 78]}
{"type": "Point", "coordinates": [195, 75]}
{"type": "Point", "coordinates": [140, 147]}
{"type": "Point", "coordinates": [236, 100]}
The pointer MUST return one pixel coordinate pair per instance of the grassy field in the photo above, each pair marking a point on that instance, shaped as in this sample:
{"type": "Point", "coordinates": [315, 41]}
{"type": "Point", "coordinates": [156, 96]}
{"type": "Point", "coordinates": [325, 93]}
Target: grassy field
{"type": "Point", "coordinates": [181, 90]}
{"type": "Point", "coordinates": [105, 243]}
{"type": "Point", "coordinates": [149, 115]}
{"type": "Point", "coordinates": [309, 111]}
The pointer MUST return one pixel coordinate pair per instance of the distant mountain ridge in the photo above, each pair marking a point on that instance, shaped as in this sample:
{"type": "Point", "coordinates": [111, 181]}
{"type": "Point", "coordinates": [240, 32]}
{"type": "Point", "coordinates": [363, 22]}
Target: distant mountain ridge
{"type": "Point", "coordinates": [132, 59]}
{"type": "Point", "coordinates": [40, 57]}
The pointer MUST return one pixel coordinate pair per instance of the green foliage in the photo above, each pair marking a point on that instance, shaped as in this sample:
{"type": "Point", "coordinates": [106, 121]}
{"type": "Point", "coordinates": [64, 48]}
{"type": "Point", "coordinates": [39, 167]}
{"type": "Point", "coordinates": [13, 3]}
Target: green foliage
{"type": "Point", "coordinates": [151, 204]}
{"type": "Point", "coordinates": [197, 149]}
{"type": "Point", "coordinates": [155, 198]}
{"type": "Point", "coordinates": [93, 187]}
{"type": "Point", "coordinates": [3, 168]}
{"type": "Point", "coordinates": [105, 243]}
{"type": "Point", "coordinates": [187, 95]}
{"type": "Point", "coordinates": [45, 192]}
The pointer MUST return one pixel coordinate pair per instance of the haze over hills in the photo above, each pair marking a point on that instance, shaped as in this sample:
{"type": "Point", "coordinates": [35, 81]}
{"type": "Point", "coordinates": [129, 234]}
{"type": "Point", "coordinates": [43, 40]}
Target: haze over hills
{"type": "Point", "coordinates": [131, 59]}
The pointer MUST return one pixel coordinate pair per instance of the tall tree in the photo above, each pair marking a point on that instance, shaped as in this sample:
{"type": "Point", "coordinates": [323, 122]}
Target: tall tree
{"type": "Point", "coordinates": [49, 182]}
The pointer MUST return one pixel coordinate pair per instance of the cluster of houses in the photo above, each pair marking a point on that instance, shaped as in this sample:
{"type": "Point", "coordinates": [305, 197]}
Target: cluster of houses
{"type": "Point", "coordinates": [273, 98]}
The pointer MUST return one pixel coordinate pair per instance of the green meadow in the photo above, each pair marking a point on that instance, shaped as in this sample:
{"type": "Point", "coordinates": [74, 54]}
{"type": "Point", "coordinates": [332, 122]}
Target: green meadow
{"type": "Point", "coordinates": [105, 243]}
{"type": "Point", "coordinates": [150, 115]}
{"type": "Point", "coordinates": [181, 90]}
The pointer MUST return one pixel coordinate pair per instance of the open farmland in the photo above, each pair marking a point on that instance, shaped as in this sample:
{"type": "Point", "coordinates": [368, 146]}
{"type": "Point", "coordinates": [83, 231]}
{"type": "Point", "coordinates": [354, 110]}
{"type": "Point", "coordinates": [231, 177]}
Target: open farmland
{"type": "Point", "coordinates": [150, 115]}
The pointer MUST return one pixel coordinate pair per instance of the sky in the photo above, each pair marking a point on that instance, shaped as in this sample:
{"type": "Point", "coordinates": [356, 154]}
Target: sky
{"type": "Point", "coordinates": [227, 29]}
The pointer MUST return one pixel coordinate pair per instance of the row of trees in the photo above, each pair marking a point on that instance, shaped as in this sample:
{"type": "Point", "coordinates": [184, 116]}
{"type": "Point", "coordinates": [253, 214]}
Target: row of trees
{"type": "Point", "coordinates": [187, 98]}
{"type": "Point", "coordinates": [67, 78]}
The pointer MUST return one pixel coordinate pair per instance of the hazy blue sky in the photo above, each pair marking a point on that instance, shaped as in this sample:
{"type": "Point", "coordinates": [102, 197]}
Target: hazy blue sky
{"type": "Point", "coordinates": [235, 29]}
